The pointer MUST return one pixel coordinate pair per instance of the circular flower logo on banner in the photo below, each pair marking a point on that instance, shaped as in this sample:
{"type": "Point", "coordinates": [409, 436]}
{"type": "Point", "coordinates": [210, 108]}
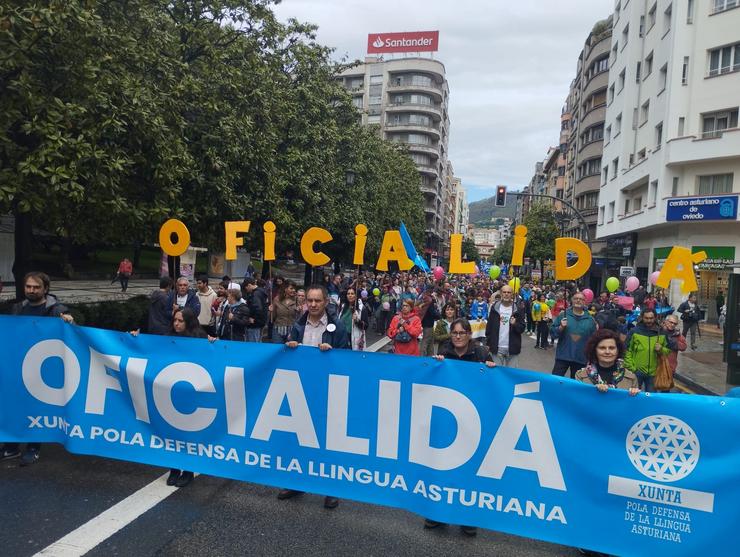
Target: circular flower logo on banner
{"type": "Point", "coordinates": [663, 448]}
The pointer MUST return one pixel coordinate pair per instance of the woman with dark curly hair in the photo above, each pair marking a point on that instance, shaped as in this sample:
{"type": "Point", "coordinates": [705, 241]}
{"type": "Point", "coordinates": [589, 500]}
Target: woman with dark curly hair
{"type": "Point", "coordinates": [605, 369]}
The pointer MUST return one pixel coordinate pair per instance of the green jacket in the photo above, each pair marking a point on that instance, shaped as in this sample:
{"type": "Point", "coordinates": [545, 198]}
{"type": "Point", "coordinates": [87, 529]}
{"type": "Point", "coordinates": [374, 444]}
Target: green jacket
{"type": "Point", "coordinates": [641, 355]}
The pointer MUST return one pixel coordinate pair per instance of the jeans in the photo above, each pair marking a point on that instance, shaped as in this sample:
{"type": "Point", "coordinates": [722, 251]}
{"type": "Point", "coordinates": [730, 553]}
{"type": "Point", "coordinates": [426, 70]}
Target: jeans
{"type": "Point", "coordinates": [124, 282]}
{"type": "Point", "coordinates": [543, 332]}
{"type": "Point", "coordinates": [254, 334]}
{"type": "Point", "coordinates": [506, 359]}
{"type": "Point", "coordinates": [561, 366]}
{"type": "Point", "coordinates": [691, 327]}
{"type": "Point", "coordinates": [645, 382]}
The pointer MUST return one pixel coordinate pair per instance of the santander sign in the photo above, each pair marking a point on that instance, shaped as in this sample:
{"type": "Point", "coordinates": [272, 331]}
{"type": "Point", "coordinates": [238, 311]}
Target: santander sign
{"type": "Point", "coordinates": [419, 41]}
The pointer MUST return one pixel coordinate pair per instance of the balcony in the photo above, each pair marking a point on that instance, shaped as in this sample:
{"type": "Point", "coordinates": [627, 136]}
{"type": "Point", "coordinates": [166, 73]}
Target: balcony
{"type": "Point", "coordinates": [430, 109]}
{"type": "Point", "coordinates": [435, 91]}
{"type": "Point", "coordinates": [414, 128]}
{"type": "Point", "coordinates": [426, 149]}
{"type": "Point", "coordinates": [428, 170]}
{"type": "Point", "coordinates": [591, 150]}
{"type": "Point", "coordinates": [719, 145]}
{"type": "Point", "coordinates": [428, 188]}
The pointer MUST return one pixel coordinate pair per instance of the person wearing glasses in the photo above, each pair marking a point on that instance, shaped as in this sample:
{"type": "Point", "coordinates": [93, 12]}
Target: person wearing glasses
{"type": "Point", "coordinates": [676, 342]}
{"type": "Point", "coordinates": [460, 346]}
{"type": "Point", "coordinates": [572, 328]}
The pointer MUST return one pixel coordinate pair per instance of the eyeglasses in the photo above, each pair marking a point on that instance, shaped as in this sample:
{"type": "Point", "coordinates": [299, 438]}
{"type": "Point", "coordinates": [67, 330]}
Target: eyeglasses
{"type": "Point", "coordinates": [459, 333]}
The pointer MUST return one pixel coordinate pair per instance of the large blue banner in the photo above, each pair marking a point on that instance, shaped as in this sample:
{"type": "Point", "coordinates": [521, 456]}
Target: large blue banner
{"type": "Point", "coordinates": [510, 450]}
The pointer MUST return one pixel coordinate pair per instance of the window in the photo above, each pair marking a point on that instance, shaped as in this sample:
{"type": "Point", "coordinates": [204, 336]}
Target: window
{"type": "Point", "coordinates": [604, 175]}
{"type": "Point", "coordinates": [601, 214]}
{"type": "Point", "coordinates": [641, 154]}
{"type": "Point", "coordinates": [681, 125]}
{"type": "Point", "coordinates": [690, 12]}
{"type": "Point", "coordinates": [615, 48]}
{"type": "Point", "coordinates": [627, 206]}
{"type": "Point", "coordinates": [611, 211]}
{"type": "Point", "coordinates": [649, 64]}
{"type": "Point", "coordinates": [407, 98]}
{"type": "Point", "coordinates": [662, 78]}
{"type": "Point", "coordinates": [374, 99]}
{"type": "Point", "coordinates": [724, 60]}
{"type": "Point", "coordinates": [674, 187]}
{"type": "Point", "coordinates": [357, 102]}
{"type": "Point", "coordinates": [376, 79]}
{"type": "Point", "coordinates": [685, 71]}
{"type": "Point", "coordinates": [621, 79]}
{"type": "Point", "coordinates": [644, 112]}
{"type": "Point", "coordinates": [420, 159]}
{"type": "Point", "coordinates": [642, 26]}
{"type": "Point", "coordinates": [637, 72]}
{"type": "Point", "coordinates": [667, 16]}
{"type": "Point", "coordinates": [591, 167]}
{"type": "Point", "coordinates": [374, 119]}
{"type": "Point", "coordinates": [713, 124]}
{"type": "Point", "coordinates": [651, 16]}
{"type": "Point", "coordinates": [634, 118]}
{"type": "Point", "coordinates": [658, 135]}
{"type": "Point", "coordinates": [653, 192]}
{"type": "Point", "coordinates": [714, 184]}
{"type": "Point", "coordinates": [608, 134]}
{"type": "Point", "coordinates": [722, 5]}
{"type": "Point", "coordinates": [611, 94]}
{"type": "Point", "coordinates": [625, 35]}
{"type": "Point", "coordinates": [618, 125]}
{"type": "Point", "coordinates": [637, 203]}
{"type": "Point", "coordinates": [615, 167]}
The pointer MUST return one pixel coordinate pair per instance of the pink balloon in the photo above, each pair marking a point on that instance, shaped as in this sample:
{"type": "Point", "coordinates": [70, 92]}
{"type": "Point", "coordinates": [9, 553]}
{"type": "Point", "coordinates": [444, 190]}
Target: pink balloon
{"type": "Point", "coordinates": [438, 273]}
{"type": "Point", "coordinates": [654, 277]}
{"type": "Point", "coordinates": [631, 284]}
{"type": "Point", "coordinates": [588, 294]}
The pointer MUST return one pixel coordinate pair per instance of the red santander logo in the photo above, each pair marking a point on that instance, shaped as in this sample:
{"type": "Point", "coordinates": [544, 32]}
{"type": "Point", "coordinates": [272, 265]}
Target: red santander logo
{"type": "Point", "coordinates": [418, 41]}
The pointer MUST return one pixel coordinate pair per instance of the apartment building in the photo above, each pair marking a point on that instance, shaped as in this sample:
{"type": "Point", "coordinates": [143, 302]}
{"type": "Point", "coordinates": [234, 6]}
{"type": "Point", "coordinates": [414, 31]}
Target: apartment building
{"type": "Point", "coordinates": [582, 130]}
{"type": "Point", "coordinates": [670, 168]}
{"type": "Point", "coordinates": [407, 98]}
{"type": "Point", "coordinates": [461, 212]}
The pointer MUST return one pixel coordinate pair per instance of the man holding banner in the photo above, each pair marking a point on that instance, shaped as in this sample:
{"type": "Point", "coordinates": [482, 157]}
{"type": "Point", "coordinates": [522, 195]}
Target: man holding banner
{"type": "Point", "coordinates": [317, 328]}
{"type": "Point", "coordinates": [504, 329]}
{"type": "Point", "coordinates": [37, 303]}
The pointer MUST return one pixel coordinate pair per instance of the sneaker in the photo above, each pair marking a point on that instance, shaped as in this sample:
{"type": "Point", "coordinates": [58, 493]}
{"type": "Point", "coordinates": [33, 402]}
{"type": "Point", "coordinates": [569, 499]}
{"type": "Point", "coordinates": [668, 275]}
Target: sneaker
{"type": "Point", "coordinates": [429, 523]}
{"type": "Point", "coordinates": [331, 502]}
{"type": "Point", "coordinates": [184, 479]}
{"type": "Point", "coordinates": [173, 477]}
{"type": "Point", "coordinates": [9, 454]}
{"type": "Point", "coordinates": [29, 457]}
{"type": "Point", "coordinates": [469, 530]}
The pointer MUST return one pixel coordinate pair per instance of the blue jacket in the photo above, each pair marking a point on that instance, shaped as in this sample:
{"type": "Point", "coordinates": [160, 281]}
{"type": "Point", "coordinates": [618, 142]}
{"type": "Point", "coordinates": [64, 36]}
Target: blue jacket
{"type": "Point", "coordinates": [572, 341]}
{"type": "Point", "coordinates": [479, 310]}
{"type": "Point", "coordinates": [336, 339]}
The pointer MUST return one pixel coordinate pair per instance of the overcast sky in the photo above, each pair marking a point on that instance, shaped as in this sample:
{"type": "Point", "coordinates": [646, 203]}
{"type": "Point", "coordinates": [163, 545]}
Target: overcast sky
{"type": "Point", "coordinates": [509, 66]}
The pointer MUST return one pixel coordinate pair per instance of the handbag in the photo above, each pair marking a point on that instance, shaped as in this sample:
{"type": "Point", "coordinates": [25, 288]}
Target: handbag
{"type": "Point", "coordinates": [403, 336]}
{"type": "Point", "coordinates": [663, 375]}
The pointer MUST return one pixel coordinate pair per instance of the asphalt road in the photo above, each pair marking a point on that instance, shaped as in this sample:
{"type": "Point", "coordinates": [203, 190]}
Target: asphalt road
{"type": "Point", "coordinates": [42, 503]}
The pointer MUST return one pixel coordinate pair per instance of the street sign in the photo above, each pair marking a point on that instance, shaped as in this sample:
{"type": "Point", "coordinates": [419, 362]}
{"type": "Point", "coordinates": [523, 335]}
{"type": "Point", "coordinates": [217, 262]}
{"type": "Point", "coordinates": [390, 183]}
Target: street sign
{"type": "Point", "coordinates": [626, 271]}
{"type": "Point", "coordinates": [722, 207]}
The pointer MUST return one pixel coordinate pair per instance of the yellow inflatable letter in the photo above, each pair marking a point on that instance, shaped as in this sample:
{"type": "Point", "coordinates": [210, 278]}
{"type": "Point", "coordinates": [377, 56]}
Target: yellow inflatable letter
{"type": "Point", "coordinates": [457, 267]}
{"type": "Point", "coordinates": [310, 237]}
{"type": "Point", "coordinates": [580, 267]}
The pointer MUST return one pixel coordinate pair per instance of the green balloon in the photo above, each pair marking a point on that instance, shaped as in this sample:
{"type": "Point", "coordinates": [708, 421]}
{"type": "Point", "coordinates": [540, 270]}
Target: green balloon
{"type": "Point", "coordinates": [612, 283]}
{"type": "Point", "coordinates": [550, 303]}
{"type": "Point", "coordinates": [494, 272]}
{"type": "Point", "coordinates": [376, 291]}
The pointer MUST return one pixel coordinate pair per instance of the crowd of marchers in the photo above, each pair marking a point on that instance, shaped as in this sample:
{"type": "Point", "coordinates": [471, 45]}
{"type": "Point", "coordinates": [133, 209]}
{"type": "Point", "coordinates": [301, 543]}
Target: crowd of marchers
{"type": "Point", "coordinates": [602, 341]}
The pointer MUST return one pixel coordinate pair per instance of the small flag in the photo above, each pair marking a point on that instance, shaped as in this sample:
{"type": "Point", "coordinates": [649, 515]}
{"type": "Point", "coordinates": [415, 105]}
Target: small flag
{"type": "Point", "coordinates": [411, 250]}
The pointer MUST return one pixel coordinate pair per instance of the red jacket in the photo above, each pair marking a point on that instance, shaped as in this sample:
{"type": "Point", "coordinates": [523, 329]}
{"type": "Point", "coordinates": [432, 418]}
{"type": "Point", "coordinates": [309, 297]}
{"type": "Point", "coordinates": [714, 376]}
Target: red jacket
{"type": "Point", "coordinates": [560, 305]}
{"type": "Point", "coordinates": [125, 268]}
{"type": "Point", "coordinates": [413, 327]}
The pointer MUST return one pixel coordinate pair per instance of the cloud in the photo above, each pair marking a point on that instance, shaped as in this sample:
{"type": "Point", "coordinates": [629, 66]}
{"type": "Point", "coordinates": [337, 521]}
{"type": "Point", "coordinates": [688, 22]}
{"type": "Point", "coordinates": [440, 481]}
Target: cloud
{"type": "Point", "coordinates": [509, 67]}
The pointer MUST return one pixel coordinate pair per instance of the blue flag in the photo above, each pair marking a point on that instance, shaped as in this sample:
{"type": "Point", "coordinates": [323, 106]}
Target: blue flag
{"type": "Point", "coordinates": [408, 245]}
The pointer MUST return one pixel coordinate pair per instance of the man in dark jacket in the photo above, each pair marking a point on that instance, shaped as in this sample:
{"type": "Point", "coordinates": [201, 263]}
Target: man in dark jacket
{"type": "Point", "coordinates": [37, 303]}
{"type": "Point", "coordinates": [323, 330]}
{"type": "Point", "coordinates": [504, 330]}
{"type": "Point", "coordinates": [160, 308]}
{"type": "Point", "coordinates": [429, 312]}
{"type": "Point", "coordinates": [258, 304]}
{"type": "Point", "coordinates": [184, 297]}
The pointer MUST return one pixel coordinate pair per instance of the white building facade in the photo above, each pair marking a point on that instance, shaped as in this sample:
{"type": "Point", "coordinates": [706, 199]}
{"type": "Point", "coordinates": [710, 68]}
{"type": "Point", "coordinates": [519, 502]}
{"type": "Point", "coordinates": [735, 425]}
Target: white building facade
{"type": "Point", "coordinates": [671, 161]}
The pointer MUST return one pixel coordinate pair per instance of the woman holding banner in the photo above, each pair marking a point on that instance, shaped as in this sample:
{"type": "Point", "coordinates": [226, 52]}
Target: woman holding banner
{"type": "Point", "coordinates": [605, 368]}
{"type": "Point", "coordinates": [442, 326]}
{"type": "Point", "coordinates": [460, 346]}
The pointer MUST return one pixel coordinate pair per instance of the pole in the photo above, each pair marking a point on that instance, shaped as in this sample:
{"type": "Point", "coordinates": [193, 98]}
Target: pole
{"type": "Point", "coordinates": [564, 202]}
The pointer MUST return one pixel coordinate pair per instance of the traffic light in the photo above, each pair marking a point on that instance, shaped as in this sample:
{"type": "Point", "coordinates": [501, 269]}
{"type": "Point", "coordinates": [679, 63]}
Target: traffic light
{"type": "Point", "coordinates": [500, 196]}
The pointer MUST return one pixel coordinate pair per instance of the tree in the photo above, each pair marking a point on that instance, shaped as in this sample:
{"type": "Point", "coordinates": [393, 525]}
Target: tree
{"type": "Point", "coordinates": [469, 250]}
{"type": "Point", "coordinates": [542, 231]}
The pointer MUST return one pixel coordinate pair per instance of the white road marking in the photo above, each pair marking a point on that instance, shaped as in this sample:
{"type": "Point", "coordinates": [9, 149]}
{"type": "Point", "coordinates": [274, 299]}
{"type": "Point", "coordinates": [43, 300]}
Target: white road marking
{"type": "Point", "coordinates": [97, 530]}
